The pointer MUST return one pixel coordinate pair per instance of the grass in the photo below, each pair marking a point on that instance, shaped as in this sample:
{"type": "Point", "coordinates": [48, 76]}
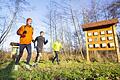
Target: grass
{"type": "Point", "coordinates": [71, 70]}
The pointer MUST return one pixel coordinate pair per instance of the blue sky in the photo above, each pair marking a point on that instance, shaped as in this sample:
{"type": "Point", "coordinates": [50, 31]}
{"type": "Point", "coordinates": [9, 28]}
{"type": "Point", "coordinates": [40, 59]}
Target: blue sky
{"type": "Point", "coordinates": [38, 14]}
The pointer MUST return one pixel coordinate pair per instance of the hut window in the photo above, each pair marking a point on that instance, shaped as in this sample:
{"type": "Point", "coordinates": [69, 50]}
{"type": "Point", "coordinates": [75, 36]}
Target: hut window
{"type": "Point", "coordinates": [96, 39]}
{"type": "Point", "coordinates": [89, 34]}
{"type": "Point", "coordinates": [97, 45]}
{"type": "Point", "coordinates": [90, 40]}
{"type": "Point", "coordinates": [102, 32]}
{"type": "Point", "coordinates": [103, 38]}
{"type": "Point", "coordinates": [109, 31]}
{"type": "Point", "coordinates": [90, 46]}
{"type": "Point", "coordinates": [111, 45]}
{"type": "Point", "coordinates": [95, 33]}
{"type": "Point", "coordinates": [110, 38]}
{"type": "Point", "coordinates": [104, 45]}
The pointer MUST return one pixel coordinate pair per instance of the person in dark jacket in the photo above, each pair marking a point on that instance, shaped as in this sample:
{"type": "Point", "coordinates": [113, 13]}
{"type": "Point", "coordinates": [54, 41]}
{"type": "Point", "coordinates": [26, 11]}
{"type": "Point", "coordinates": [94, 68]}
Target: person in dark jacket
{"type": "Point", "coordinates": [39, 48]}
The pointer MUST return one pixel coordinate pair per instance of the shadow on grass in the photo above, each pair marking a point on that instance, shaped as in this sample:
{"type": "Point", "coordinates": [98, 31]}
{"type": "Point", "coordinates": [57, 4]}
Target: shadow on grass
{"type": "Point", "coordinates": [6, 73]}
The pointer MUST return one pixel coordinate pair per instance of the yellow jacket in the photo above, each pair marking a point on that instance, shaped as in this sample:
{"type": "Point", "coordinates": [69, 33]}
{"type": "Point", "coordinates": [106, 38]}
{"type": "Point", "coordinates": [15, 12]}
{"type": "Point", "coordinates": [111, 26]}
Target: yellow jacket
{"type": "Point", "coordinates": [56, 46]}
{"type": "Point", "coordinates": [28, 36]}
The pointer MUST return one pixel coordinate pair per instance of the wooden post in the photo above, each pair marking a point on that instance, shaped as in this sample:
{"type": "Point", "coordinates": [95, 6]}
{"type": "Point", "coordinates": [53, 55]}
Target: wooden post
{"type": "Point", "coordinates": [14, 52]}
{"type": "Point", "coordinates": [87, 51]}
{"type": "Point", "coordinates": [116, 42]}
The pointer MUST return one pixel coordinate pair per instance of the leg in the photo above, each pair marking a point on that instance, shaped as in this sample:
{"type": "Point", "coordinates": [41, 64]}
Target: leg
{"type": "Point", "coordinates": [40, 55]}
{"type": "Point", "coordinates": [22, 46]}
{"type": "Point", "coordinates": [28, 47]}
{"type": "Point", "coordinates": [36, 59]}
{"type": "Point", "coordinates": [57, 57]}
{"type": "Point", "coordinates": [54, 57]}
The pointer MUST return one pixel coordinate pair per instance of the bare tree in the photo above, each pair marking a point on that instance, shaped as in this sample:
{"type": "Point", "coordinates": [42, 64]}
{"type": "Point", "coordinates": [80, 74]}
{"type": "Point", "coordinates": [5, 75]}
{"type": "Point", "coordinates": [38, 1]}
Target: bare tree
{"type": "Point", "coordinates": [114, 9]}
{"type": "Point", "coordinates": [78, 35]}
{"type": "Point", "coordinates": [62, 19]}
{"type": "Point", "coordinates": [14, 7]}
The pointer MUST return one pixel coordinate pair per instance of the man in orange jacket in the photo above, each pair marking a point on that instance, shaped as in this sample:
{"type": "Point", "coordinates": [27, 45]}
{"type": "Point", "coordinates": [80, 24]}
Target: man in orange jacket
{"type": "Point", "coordinates": [25, 32]}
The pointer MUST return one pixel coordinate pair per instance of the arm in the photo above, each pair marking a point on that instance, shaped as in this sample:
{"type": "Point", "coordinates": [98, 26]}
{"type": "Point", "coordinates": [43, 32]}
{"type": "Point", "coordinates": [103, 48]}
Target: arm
{"type": "Point", "coordinates": [45, 41]}
{"type": "Point", "coordinates": [32, 35]}
{"type": "Point", "coordinates": [35, 41]}
{"type": "Point", "coordinates": [20, 31]}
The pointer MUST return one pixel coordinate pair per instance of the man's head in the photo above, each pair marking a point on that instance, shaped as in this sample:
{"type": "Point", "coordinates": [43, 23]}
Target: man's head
{"type": "Point", "coordinates": [41, 33]}
{"type": "Point", "coordinates": [29, 21]}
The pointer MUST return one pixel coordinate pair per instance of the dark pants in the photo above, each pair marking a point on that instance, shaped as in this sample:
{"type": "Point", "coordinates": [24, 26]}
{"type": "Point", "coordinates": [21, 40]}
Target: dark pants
{"type": "Point", "coordinates": [56, 57]}
{"type": "Point", "coordinates": [38, 56]}
{"type": "Point", "coordinates": [39, 52]}
{"type": "Point", "coordinates": [21, 49]}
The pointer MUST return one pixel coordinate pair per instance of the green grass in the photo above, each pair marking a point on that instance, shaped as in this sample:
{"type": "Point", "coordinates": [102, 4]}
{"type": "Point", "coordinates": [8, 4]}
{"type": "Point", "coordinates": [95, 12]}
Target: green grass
{"type": "Point", "coordinates": [71, 70]}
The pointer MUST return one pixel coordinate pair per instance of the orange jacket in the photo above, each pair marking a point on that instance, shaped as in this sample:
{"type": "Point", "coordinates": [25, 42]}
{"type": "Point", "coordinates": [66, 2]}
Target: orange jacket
{"type": "Point", "coordinates": [28, 36]}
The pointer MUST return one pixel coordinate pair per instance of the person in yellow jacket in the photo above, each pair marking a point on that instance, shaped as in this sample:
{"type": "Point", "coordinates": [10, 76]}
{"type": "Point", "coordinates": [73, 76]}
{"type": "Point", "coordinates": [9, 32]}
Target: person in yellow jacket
{"type": "Point", "coordinates": [25, 32]}
{"type": "Point", "coordinates": [57, 46]}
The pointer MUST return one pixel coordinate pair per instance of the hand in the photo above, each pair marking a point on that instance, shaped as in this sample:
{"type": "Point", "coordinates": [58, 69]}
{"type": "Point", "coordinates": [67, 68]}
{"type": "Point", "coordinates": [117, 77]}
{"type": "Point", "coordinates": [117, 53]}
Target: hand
{"type": "Point", "coordinates": [22, 35]}
{"type": "Point", "coordinates": [33, 41]}
{"type": "Point", "coordinates": [25, 32]}
{"type": "Point", "coordinates": [46, 41]}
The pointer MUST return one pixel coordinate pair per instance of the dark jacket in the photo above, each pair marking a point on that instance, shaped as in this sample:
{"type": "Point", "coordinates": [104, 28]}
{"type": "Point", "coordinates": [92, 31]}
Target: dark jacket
{"type": "Point", "coordinates": [40, 42]}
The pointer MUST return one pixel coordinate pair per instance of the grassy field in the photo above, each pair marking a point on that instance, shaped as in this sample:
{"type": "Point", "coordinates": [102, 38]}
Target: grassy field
{"type": "Point", "coordinates": [67, 70]}
{"type": "Point", "coordinates": [70, 68]}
